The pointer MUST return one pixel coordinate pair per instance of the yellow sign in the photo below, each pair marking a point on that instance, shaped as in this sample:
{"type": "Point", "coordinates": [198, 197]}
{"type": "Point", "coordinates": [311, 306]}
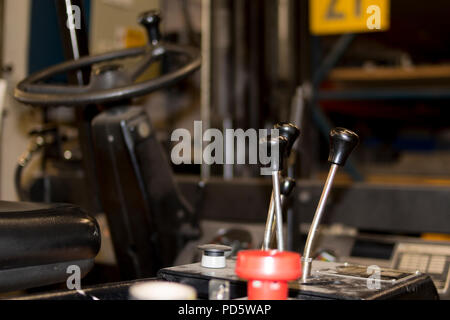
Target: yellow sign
{"type": "Point", "coordinates": [348, 16]}
{"type": "Point", "coordinates": [134, 37]}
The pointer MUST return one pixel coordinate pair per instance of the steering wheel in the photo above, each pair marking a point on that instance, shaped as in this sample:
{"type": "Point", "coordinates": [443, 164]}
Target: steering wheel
{"type": "Point", "coordinates": [110, 81]}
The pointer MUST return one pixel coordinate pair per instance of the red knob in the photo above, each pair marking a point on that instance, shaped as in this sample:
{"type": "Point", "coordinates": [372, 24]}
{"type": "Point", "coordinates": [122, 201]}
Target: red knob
{"type": "Point", "coordinates": [268, 272]}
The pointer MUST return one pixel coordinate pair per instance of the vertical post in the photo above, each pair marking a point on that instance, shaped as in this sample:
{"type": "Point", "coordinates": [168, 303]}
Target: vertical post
{"type": "Point", "coordinates": [75, 44]}
{"type": "Point", "coordinates": [206, 76]}
{"type": "Point", "coordinates": [74, 39]}
{"type": "Point", "coordinates": [2, 6]}
{"type": "Point", "coordinates": [222, 81]}
{"type": "Point", "coordinates": [255, 56]}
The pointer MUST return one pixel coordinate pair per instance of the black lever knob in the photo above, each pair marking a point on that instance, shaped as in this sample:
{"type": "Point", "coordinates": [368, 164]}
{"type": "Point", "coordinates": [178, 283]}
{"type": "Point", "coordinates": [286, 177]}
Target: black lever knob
{"type": "Point", "coordinates": [150, 21]}
{"type": "Point", "coordinates": [342, 143]}
{"type": "Point", "coordinates": [290, 132]}
{"type": "Point", "coordinates": [286, 187]}
{"type": "Point", "coordinates": [274, 144]}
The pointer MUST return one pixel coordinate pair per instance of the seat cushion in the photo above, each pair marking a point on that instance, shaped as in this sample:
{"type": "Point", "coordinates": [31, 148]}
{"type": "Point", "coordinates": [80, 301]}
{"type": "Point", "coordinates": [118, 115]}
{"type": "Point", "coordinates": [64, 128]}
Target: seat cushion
{"type": "Point", "coordinates": [34, 234]}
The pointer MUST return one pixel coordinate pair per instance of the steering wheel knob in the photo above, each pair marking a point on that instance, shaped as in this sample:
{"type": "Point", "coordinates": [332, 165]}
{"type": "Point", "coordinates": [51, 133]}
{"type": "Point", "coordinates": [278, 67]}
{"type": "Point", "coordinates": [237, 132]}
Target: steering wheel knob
{"type": "Point", "coordinates": [150, 20]}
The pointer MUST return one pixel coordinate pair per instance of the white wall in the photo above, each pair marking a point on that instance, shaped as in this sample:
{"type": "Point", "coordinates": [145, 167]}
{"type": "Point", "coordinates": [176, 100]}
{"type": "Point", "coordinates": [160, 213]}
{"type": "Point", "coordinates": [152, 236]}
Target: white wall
{"type": "Point", "coordinates": [16, 119]}
{"type": "Point", "coordinates": [16, 34]}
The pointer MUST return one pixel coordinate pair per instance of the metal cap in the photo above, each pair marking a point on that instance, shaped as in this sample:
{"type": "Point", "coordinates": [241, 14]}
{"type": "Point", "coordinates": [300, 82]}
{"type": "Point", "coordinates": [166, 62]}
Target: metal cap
{"type": "Point", "coordinates": [215, 250]}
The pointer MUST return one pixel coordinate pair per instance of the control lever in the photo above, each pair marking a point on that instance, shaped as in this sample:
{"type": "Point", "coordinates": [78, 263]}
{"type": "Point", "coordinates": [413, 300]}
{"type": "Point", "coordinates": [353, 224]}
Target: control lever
{"type": "Point", "coordinates": [342, 143]}
{"type": "Point", "coordinates": [276, 144]}
{"type": "Point", "coordinates": [286, 188]}
{"type": "Point", "coordinates": [150, 20]}
{"type": "Point", "coordinates": [291, 133]}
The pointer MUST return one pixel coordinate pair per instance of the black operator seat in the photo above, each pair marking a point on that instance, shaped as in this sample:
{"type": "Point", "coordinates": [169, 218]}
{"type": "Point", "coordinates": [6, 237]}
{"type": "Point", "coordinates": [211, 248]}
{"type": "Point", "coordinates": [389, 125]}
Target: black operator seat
{"type": "Point", "coordinates": [38, 242]}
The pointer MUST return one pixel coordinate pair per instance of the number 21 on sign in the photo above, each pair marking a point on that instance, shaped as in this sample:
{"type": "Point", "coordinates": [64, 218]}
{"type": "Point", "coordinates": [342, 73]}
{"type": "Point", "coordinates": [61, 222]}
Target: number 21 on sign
{"type": "Point", "coordinates": [345, 16]}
